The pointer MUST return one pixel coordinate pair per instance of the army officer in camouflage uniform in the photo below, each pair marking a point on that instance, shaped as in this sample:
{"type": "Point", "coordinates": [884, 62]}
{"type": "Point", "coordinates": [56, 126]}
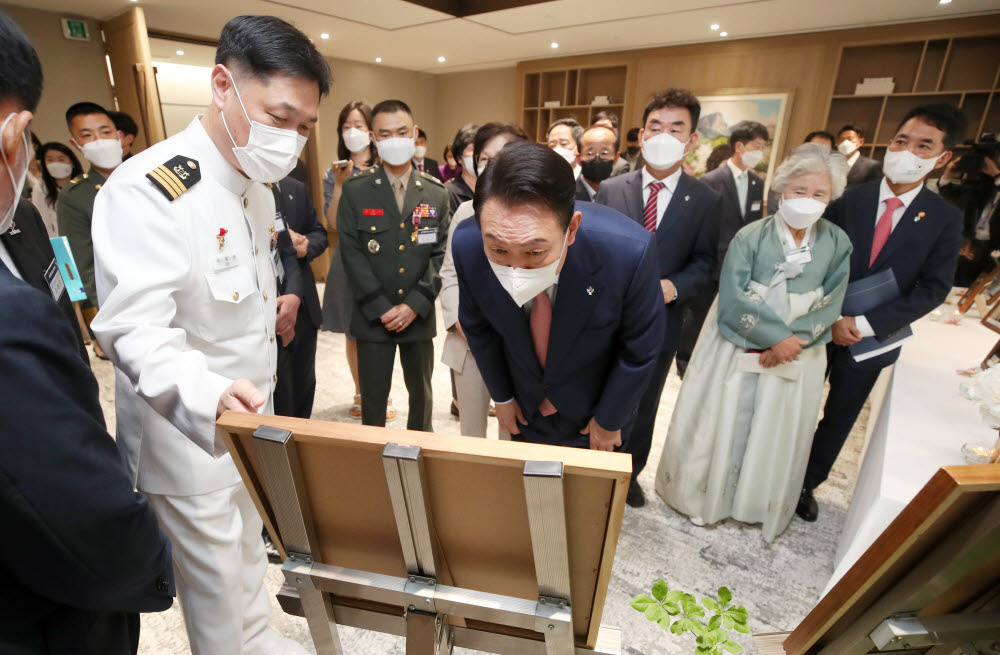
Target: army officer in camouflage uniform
{"type": "Point", "coordinates": [393, 224]}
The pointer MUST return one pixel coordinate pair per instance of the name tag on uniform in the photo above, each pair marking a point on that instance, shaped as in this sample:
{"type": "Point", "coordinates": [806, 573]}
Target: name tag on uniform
{"type": "Point", "coordinates": [427, 236]}
{"type": "Point", "coordinates": [279, 268]}
{"type": "Point", "coordinates": [223, 262]}
{"type": "Point", "coordinates": [755, 206]}
{"type": "Point", "coordinates": [56, 285]}
{"type": "Point", "coordinates": [279, 222]}
{"type": "Point", "coordinates": [801, 255]}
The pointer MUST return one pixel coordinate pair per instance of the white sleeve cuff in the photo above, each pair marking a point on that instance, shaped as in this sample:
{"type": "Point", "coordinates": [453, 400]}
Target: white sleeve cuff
{"type": "Point", "coordinates": [505, 402]}
{"type": "Point", "coordinates": [864, 327]}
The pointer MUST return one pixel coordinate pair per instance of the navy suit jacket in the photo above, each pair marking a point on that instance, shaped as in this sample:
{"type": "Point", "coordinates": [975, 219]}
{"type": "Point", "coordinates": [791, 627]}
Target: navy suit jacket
{"type": "Point", "coordinates": [607, 323]}
{"type": "Point", "coordinates": [431, 167]}
{"type": "Point", "coordinates": [731, 218]}
{"type": "Point", "coordinates": [922, 252]}
{"type": "Point", "coordinates": [300, 215]}
{"type": "Point", "coordinates": [81, 551]}
{"type": "Point", "coordinates": [864, 170]}
{"type": "Point", "coordinates": [687, 238]}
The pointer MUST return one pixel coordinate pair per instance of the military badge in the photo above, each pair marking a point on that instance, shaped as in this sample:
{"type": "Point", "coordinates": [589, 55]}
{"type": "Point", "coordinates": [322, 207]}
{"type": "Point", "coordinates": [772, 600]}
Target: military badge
{"type": "Point", "coordinates": [221, 237]}
{"type": "Point", "coordinates": [373, 246]}
{"type": "Point", "coordinates": [174, 176]}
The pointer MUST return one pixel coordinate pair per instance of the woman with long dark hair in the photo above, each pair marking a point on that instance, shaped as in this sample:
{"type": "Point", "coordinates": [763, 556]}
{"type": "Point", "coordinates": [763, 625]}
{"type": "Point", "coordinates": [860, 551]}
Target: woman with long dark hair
{"type": "Point", "coordinates": [57, 165]}
{"type": "Point", "coordinates": [355, 148]}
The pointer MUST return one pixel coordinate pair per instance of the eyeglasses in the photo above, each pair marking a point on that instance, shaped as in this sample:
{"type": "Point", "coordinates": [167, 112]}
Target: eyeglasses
{"type": "Point", "coordinates": [605, 153]}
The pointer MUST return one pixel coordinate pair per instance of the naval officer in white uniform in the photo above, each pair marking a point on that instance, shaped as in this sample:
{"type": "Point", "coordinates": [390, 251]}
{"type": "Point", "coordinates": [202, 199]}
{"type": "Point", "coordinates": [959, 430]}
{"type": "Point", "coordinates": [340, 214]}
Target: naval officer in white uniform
{"type": "Point", "coordinates": [183, 249]}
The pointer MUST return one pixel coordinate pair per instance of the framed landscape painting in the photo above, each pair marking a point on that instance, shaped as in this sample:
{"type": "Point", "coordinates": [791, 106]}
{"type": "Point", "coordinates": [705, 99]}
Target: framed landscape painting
{"type": "Point", "coordinates": [721, 110]}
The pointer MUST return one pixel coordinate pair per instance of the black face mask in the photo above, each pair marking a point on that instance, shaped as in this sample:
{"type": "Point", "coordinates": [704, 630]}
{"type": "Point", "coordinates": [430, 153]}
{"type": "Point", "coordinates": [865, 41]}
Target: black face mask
{"type": "Point", "coordinates": [633, 151]}
{"type": "Point", "coordinates": [597, 169]}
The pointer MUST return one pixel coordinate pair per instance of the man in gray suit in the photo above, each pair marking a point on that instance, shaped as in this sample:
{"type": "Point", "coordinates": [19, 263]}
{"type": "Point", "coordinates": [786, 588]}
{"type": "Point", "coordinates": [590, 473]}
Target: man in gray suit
{"type": "Point", "coordinates": [598, 158]}
{"type": "Point", "coordinates": [850, 138]}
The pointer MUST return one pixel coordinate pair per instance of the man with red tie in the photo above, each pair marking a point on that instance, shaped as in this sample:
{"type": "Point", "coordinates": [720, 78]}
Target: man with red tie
{"type": "Point", "coordinates": [421, 161]}
{"type": "Point", "coordinates": [683, 216]}
{"type": "Point", "coordinates": [894, 223]}
{"type": "Point", "coordinates": [560, 303]}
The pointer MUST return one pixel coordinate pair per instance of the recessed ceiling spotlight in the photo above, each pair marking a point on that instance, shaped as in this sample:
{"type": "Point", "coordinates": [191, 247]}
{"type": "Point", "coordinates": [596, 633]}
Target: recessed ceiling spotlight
{"type": "Point", "coordinates": [324, 35]}
{"type": "Point", "coordinates": [378, 60]}
{"type": "Point", "coordinates": [723, 33]}
{"type": "Point", "coordinates": [713, 26]}
{"type": "Point", "coordinates": [180, 52]}
{"type": "Point", "coordinates": [944, 2]}
{"type": "Point", "coordinates": [554, 44]}
{"type": "Point", "coordinates": [440, 60]}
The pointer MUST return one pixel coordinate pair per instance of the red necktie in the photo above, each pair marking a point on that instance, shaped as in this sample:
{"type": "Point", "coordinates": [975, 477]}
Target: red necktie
{"type": "Point", "coordinates": [884, 227]}
{"type": "Point", "coordinates": [420, 167]}
{"type": "Point", "coordinates": [541, 325]}
{"type": "Point", "coordinates": [649, 216]}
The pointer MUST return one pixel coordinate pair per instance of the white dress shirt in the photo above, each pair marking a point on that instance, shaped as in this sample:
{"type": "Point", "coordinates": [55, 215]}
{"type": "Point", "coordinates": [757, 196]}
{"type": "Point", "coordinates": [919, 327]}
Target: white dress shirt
{"type": "Point", "coordinates": [884, 193]}
{"type": "Point", "coordinates": [742, 181]}
{"type": "Point", "coordinates": [8, 262]}
{"type": "Point", "coordinates": [576, 171]}
{"type": "Point", "coordinates": [855, 156]}
{"type": "Point", "coordinates": [182, 315]}
{"type": "Point", "coordinates": [591, 191]}
{"type": "Point", "coordinates": [665, 193]}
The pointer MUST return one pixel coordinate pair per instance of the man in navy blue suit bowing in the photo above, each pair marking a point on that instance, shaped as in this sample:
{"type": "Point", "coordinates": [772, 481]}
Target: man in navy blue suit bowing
{"type": "Point", "coordinates": [894, 223]}
{"type": "Point", "coordinates": [682, 214]}
{"type": "Point", "coordinates": [560, 302]}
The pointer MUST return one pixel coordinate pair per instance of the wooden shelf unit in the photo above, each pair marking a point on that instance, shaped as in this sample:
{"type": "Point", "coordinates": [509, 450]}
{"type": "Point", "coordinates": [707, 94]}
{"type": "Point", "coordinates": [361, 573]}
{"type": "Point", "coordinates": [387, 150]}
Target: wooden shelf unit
{"type": "Point", "coordinates": [964, 71]}
{"type": "Point", "coordinates": [575, 89]}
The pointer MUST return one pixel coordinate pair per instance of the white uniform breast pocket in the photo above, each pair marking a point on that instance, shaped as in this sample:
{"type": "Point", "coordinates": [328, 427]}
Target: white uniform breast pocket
{"type": "Point", "coordinates": [229, 308]}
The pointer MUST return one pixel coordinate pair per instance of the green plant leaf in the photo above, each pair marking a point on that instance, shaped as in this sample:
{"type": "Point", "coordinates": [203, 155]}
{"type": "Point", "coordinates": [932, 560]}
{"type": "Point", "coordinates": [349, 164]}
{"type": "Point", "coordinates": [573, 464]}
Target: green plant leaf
{"type": "Point", "coordinates": [714, 622]}
{"type": "Point", "coordinates": [704, 651]}
{"type": "Point", "coordinates": [742, 627]}
{"type": "Point", "coordinates": [671, 608]}
{"type": "Point", "coordinates": [641, 602]}
{"type": "Point", "coordinates": [664, 622]}
{"type": "Point", "coordinates": [696, 612]}
{"type": "Point", "coordinates": [710, 603]}
{"type": "Point", "coordinates": [732, 646]}
{"type": "Point", "coordinates": [689, 603]}
{"type": "Point", "coordinates": [654, 613]}
{"type": "Point", "coordinates": [728, 621]}
{"type": "Point", "coordinates": [725, 596]}
{"type": "Point", "coordinates": [660, 590]}
{"type": "Point", "coordinates": [674, 596]}
{"type": "Point", "coordinates": [740, 614]}
{"type": "Point", "coordinates": [697, 628]}
{"type": "Point", "coordinates": [677, 628]}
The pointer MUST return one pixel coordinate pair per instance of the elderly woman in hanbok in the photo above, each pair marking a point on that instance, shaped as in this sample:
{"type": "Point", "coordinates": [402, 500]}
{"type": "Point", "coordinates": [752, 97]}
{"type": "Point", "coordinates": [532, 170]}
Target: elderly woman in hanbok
{"type": "Point", "coordinates": [740, 435]}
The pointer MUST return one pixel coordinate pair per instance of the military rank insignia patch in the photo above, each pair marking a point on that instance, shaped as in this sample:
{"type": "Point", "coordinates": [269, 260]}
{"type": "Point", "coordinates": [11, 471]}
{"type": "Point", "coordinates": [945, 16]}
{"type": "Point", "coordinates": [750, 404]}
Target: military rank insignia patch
{"type": "Point", "coordinates": [175, 176]}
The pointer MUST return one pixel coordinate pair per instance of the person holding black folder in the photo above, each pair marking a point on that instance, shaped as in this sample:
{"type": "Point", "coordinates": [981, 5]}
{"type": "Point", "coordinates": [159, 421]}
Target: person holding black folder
{"type": "Point", "coordinates": [896, 225]}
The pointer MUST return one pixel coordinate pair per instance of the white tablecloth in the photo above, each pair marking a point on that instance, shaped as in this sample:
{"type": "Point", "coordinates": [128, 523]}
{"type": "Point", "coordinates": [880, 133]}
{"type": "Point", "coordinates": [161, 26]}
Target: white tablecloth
{"type": "Point", "coordinates": [918, 424]}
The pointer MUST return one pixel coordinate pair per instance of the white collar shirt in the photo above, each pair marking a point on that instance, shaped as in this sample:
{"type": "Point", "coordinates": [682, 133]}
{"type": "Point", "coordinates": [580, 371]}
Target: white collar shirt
{"type": "Point", "coordinates": [884, 193]}
{"type": "Point", "coordinates": [665, 193]}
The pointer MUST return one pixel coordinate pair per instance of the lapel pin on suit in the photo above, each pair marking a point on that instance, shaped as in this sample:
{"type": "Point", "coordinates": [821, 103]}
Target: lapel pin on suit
{"type": "Point", "coordinates": [590, 291]}
{"type": "Point", "coordinates": [378, 180]}
{"type": "Point", "coordinates": [918, 217]}
{"type": "Point", "coordinates": [686, 198]}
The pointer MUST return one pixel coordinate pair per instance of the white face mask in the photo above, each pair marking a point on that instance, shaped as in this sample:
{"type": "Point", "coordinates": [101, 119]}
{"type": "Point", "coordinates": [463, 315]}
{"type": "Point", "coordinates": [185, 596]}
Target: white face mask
{"type": "Point", "coordinates": [420, 152]}
{"type": "Point", "coordinates": [59, 170]}
{"type": "Point", "coordinates": [356, 140]}
{"type": "Point", "coordinates": [567, 154]}
{"type": "Point", "coordinates": [468, 165]}
{"type": "Point", "coordinates": [663, 151]}
{"type": "Point", "coordinates": [270, 153]}
{"type": "Point", "coordinates": [800, 213]}
{"type": "Point", "coordinates": [17, 171]}
{"type": "Point", "coordinates": [904, 167]}
{"type": "Point", "coordinates": [523, 284]}
{"type": "Point", "coordinates": [846, 147]}
{"type": "Point", "coordinates": [479, 171]}
{"type": "Point", "coordinates": [396, 150]}
{"type": "Point", "coordinates": [103, 153]}
{"type": "Point", "coordinates": [752, 157]}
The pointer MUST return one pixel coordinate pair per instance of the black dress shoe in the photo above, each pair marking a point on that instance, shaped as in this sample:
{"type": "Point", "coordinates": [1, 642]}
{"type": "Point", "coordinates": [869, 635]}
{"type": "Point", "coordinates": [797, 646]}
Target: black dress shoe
{"type": "Point", "coordinates": [807, 510]}
{"type": "Point", "coordinates": [636, 497]}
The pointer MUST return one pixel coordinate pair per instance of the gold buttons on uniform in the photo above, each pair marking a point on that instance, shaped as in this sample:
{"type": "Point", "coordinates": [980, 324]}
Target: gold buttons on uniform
{"type": "Point", "coordinates": [402, 226]}
{"type": "Point", "coordinates": [246, 203]}
{"type": "Point", "coordinates": [402, 270]}
{"type": "Point", "coordinates": [274, 378]}
{"type": "Point", "coordinates": [400, 292]}
{"type": "Point", "coordinates": [256, 250]}
{"type": "Point", "coordinates": [236, 295]}
{"type": "Point", "coordinates": [373, 228]}
{"type": "Point", "coordinates": [402, 247]}
{"type": "Point", "coordinates": [272, 338]}
{"type": "Point", "coordinates": [265, 295]}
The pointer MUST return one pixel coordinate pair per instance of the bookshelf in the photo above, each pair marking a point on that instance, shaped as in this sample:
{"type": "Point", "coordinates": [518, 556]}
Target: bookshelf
{"type": "Point", "coordinates": [574, 89]}
{"type": "Point", "coordinates": [964, 71]}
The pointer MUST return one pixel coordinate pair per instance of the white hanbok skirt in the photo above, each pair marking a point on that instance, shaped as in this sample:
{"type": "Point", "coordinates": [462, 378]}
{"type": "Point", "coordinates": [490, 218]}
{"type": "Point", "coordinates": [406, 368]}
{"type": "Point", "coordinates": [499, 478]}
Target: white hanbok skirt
{"type": "Point", "coordinates": [739, 441]}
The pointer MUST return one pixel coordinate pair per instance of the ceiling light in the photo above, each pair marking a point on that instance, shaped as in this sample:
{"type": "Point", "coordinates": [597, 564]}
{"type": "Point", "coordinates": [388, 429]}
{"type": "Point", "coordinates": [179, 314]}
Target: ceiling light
{"type": "Point", "coordinates": [554, 44]}
{"type": "Point", "coordinates": [714, 26]}
{"type": "Point", "coordinates": [180, 52]}
{"type": "Point", "coordinates": [440, 60]}
{"type": "Point", "coordinates": [378, 60]}
{"type": "Point", "coordinates": [723, 33]}
{"type": "Point", "coordinates": [324, 35]}
{"type": "Point", "coordinates": [944, 2]}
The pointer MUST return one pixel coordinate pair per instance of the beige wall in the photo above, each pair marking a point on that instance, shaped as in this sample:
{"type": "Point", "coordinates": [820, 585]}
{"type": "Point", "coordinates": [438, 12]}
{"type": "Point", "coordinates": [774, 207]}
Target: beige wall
{"type": "Point", "coordinates": [185, 92]}
{"type": "Point", "coordinates": [74, 70]}
{"type": "Point", "coordinates": [474, 97]}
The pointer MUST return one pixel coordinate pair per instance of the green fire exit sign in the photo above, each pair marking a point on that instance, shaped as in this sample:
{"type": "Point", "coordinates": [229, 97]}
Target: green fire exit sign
{"type": "Point", "coordinates": [76, 29]}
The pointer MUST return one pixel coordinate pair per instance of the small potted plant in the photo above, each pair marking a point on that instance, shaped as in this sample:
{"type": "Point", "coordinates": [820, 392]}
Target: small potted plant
{"type": "Point", "coordinates": [679, 612]}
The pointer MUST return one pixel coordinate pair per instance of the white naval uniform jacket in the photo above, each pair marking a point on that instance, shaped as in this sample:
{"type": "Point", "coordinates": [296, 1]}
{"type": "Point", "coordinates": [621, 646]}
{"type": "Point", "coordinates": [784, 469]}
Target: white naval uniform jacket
{"type": "Point", "coordinates": [180, 317]}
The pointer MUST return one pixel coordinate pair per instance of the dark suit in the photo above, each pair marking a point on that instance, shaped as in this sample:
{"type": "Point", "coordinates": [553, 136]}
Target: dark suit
{"type": "Point", "coordinates": [972, 201]}
{"type": "Point", "coordinates": [296, 387]}
{"type": "Point", "coordinates": [606, 334]}
{"type": "Point", "coordinates": [430, 167]}
{"type": "Point", "coordinates": [686, 248]}
{"type": "Point", "coordinates": [81, 551]}
{"type": "Point", "coordinates": [863, 171]}
{"type": "Point", "coordinates": [732, 218]}
{"type": "Point", "coordinates": [32, 254]}
{"type": "Point", "coordinates": [581, 190]}
{"type": "Point", "coordinates": [922, 255]}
